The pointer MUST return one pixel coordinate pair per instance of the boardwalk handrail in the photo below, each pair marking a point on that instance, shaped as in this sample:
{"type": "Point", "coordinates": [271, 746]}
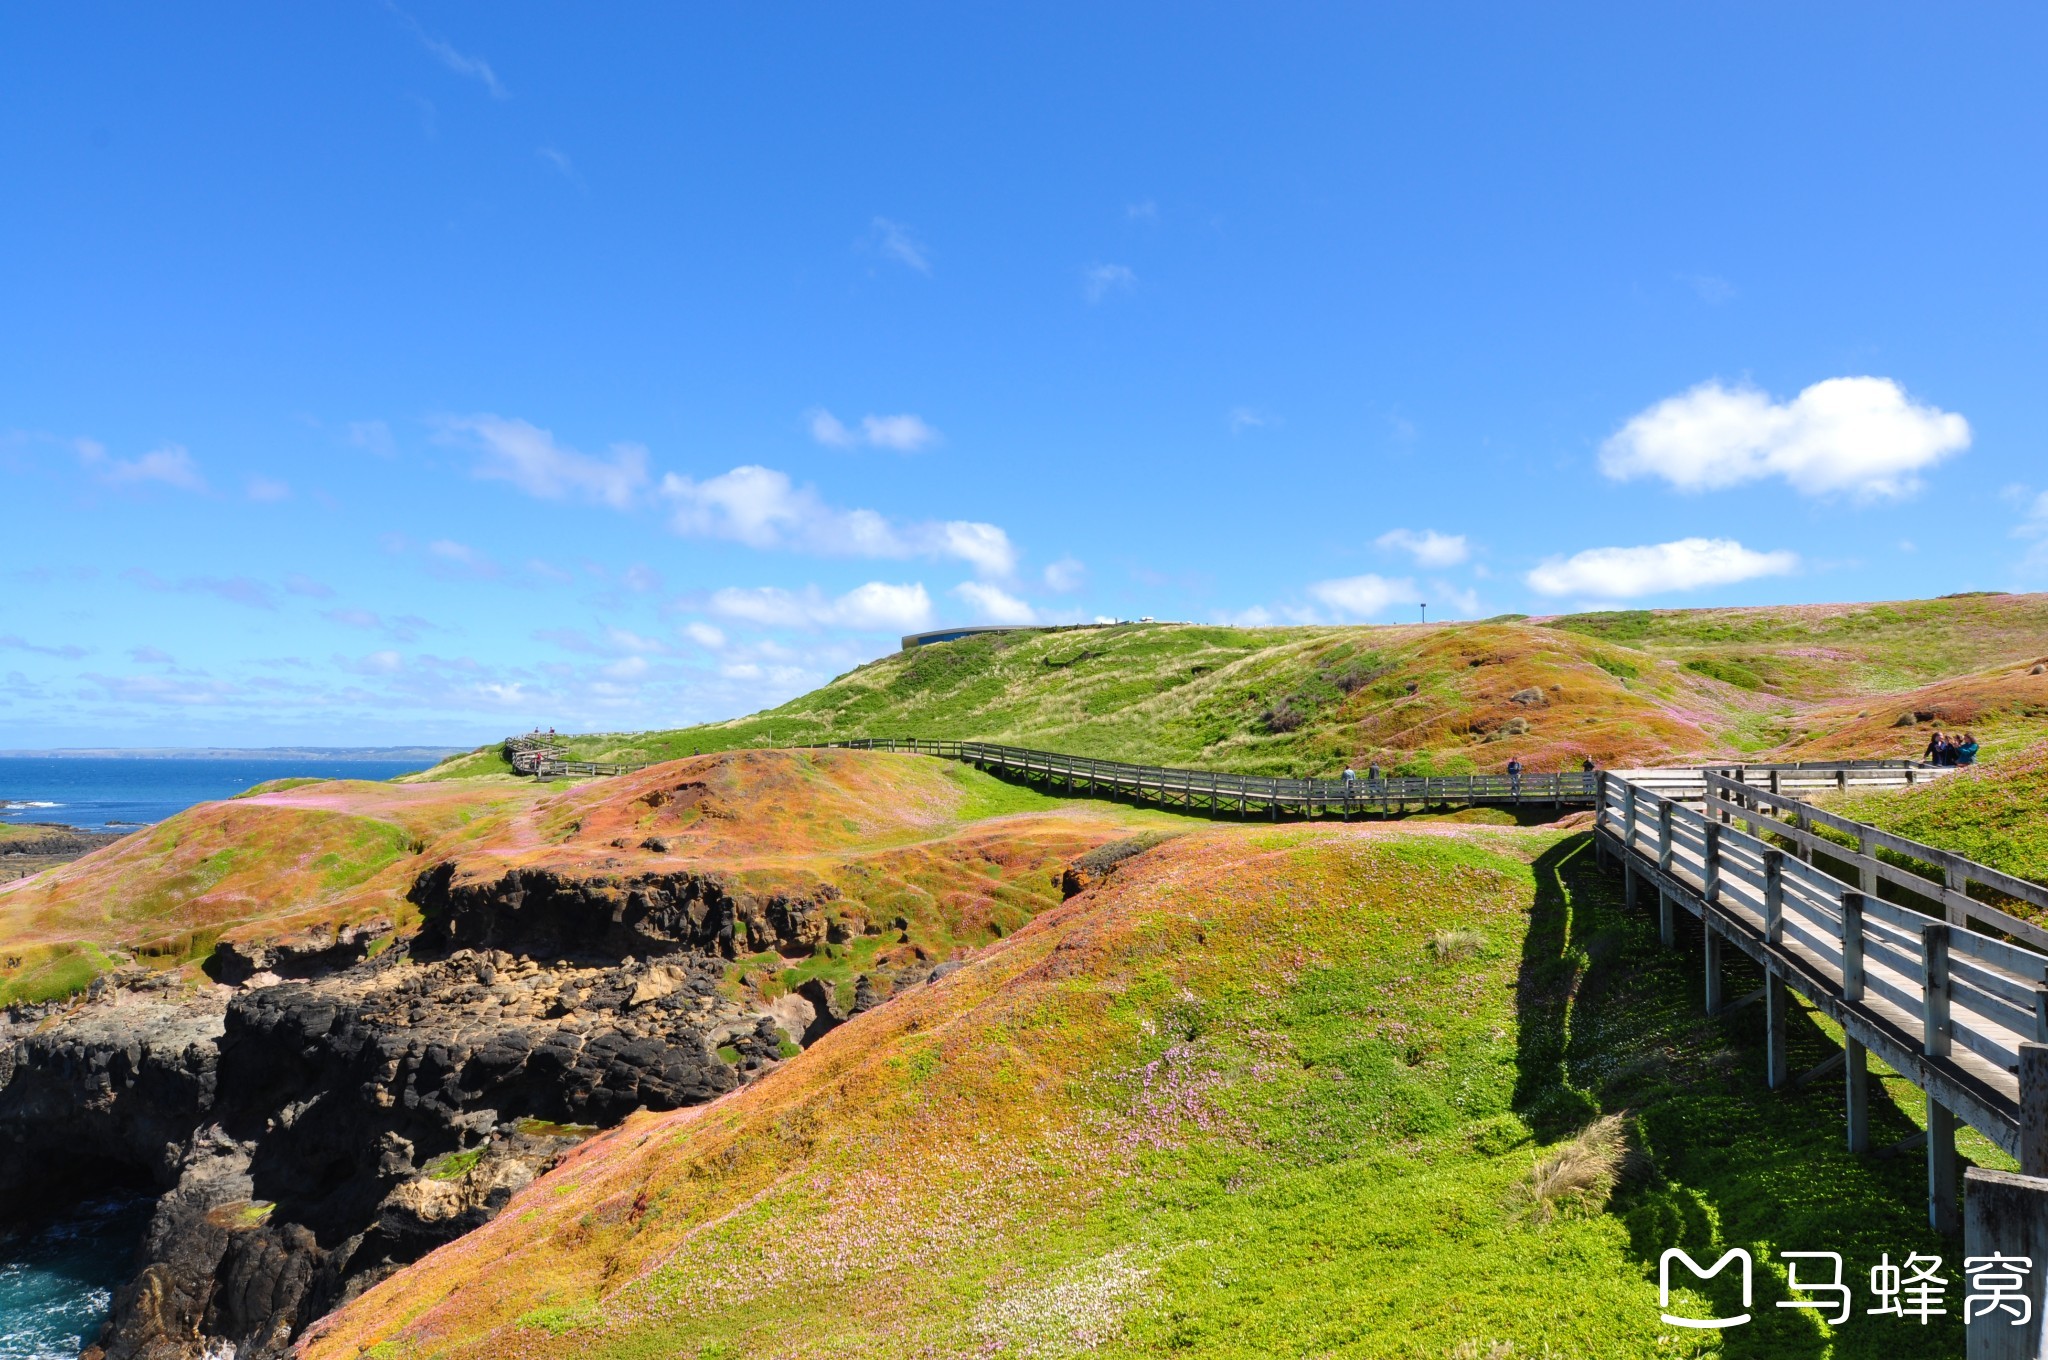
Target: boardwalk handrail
{"type": "Point", "coordinates": [1949, 1006]}
{"type": "Point", "coordinates": [1218, 792]}
{"type": "Point", "coordinates": [1745, 800]}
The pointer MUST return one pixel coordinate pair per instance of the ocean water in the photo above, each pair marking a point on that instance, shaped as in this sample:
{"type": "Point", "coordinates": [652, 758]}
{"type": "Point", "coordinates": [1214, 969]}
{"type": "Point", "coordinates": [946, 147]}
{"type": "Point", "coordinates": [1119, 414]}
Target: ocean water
{"type": "Point", "coordinates": [115, 793]}
{"type": "Point", "coordinates": [57, 1279]}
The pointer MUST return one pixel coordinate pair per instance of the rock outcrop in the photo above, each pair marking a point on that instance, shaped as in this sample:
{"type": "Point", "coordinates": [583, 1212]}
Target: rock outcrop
{"type": "Point", "coordinates": [310, 1136]}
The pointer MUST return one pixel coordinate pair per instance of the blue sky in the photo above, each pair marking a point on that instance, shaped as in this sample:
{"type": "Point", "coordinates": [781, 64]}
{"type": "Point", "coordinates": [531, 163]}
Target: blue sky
{"type": "Point", "coordinates": [374, 374]}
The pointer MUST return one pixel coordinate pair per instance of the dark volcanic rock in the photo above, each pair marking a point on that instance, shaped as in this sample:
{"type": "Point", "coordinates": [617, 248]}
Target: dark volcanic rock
{"type": "Point", "coordinates": [310, 1137]}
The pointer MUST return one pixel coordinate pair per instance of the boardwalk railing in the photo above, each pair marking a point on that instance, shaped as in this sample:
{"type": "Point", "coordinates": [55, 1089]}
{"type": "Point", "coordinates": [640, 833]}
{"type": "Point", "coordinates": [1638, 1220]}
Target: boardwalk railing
{"type": "Point", "coordinates": [1209, 791]}
{"type": "Point", "coordinates": [1957, 1002]}
{"type": "Point", "coordinates": [540, 757]}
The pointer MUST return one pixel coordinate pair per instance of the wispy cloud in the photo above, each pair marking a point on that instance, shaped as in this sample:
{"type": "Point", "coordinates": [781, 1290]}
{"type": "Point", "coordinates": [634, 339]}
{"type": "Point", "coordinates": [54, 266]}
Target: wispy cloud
{"type": "Point", "coordinates": [476, 68]}
{"type": "Point", "coordinates": [762, 508]}
{"type": "Point", "coordinates": [876, 606]}
{"type": "Point", "coordinates": [1098, 281]}
{"type": "Point", "coordinates": [268, 490]}
{"type": "Point", "coordinates": [1708, 288]}
{"type": "Point", "coordinates": [1143, 211]}
{"type": "Point", "coordinates": [894, 240]}
{"type": "Point", "coordinates": [300, 584]}
{"type": "Point", "coordinates": [234, 589]}
{"type": "Point", "coordinates": [405, 628]}
{"type": "Point", "coordinates": [991, 604]}
{"type": "Point", "coordinates": [372, 436]}
{"type": "Point", "coordinates": [14, 642]}
{"type": "Point", "coordinates": [169, 465]}
{"type": "Point", "coordinates": [530, 458]}
{"type": "Point", "coordinates": [560, 162]}
{"type": "Point", "coordinates": [1362, 597]}
{"type": "Point", "coordinates": [1242, 418]}
{"type": "Point", "coordinates": [1065, 575]}
{"type": "Point", "coordinates": [1428, 547]}
{"type": "Point", "coordinates": [904, 433]}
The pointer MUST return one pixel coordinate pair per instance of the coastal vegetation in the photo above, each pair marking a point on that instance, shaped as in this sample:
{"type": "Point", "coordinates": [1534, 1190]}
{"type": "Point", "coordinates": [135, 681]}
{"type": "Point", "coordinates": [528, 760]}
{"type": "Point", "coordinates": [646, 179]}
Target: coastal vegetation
{"type": "Point", "coordinates": [1641, 687]}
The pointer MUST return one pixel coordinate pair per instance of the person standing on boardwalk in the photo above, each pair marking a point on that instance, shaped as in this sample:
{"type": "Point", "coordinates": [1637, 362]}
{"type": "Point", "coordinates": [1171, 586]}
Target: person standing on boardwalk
{"type": "Point", "coordinates": [1515, 775]}
{"type": "Point", "coordinates": [1966, 750]}
{"type": "Point", "coordinates": [1372, 775]}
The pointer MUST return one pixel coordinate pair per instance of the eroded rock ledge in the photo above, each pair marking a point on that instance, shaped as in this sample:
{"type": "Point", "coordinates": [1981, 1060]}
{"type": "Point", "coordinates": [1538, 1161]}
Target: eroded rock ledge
{"type": "Point", "coordinates": [311, 1136]}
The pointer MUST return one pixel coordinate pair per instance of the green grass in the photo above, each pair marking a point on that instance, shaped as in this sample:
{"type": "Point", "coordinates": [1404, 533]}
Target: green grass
{"type": "Point", "coordinates": [1875, 647]}
{"type": "Point", "coordinates": [455, 1165]}
{"type": "Point", "coordinates": [1995, 814]}
{"type": "Point", "coordinates": [37, 973]}
{"type": "Point", "coordinates": [1377, 1213]}
{"type": "Point", "coordinates": [1310, 700]}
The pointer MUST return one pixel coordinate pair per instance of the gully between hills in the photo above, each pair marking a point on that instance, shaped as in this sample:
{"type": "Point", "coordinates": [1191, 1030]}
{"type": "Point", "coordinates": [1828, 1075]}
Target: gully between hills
{"type": "Point", "coordinates": [331, 1117]}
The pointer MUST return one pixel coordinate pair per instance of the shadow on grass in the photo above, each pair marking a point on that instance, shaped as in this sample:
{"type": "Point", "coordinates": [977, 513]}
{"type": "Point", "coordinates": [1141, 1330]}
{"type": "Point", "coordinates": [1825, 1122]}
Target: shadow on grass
{"type": "Point", "coordinates": [1610, 1021]}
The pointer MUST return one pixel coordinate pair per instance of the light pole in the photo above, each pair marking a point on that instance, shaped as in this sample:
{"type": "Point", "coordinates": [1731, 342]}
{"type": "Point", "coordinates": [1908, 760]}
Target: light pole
{"type": "Point", "coordinates": [1425, 613]}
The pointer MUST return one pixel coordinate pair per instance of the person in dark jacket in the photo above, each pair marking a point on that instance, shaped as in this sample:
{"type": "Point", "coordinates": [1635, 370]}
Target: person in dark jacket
{"type": "Point", "coordinates": [1515, 775]}
{"type": "Point", "coordinates": [1936, 745]}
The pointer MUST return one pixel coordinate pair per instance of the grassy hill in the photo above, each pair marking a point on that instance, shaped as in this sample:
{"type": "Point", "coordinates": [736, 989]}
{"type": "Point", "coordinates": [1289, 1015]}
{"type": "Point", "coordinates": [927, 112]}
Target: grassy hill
{"type": "Point", "coordinates": [955, 854]}
{"type": "Point", "coordinates": [1357, 1091]}
{"type": "Point", "coordinates": [1794, 682]}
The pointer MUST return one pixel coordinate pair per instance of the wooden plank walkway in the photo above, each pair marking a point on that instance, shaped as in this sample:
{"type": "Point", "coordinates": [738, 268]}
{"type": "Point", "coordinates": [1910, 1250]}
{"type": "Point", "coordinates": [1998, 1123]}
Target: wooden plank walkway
{"type": "Point", "coordinates": [1955, 1000]}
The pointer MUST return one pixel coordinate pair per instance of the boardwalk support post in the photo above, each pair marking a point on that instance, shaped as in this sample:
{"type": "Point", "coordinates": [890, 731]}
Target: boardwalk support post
{"type": "Point", "coordinates": [1855, 1059]}
{"type": "Point", "coordinates": [2034, 1109]}
{"type": "Point", "coordinates": [1713, 953]}
{"type": "Point", "coordinates": [1944, 1211]}
{"type": "Point", "coordinates": [1777, 1005]}
{"type": "Point", "coordinates": [1667, 921]}
{"type": "Point", "coordinates": [2007, 1215]}
{"type": "Point", "coordinates": [1664, 846]}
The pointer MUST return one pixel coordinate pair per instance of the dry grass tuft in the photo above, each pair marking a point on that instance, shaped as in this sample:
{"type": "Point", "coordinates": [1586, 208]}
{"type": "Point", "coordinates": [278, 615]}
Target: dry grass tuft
{"type": "Point", "coordinates": [1453, 946]}
{"type": "Point", "coordinates": [1482, 1350]}
{"type": "Point", "coordinates": [1578, 1176]}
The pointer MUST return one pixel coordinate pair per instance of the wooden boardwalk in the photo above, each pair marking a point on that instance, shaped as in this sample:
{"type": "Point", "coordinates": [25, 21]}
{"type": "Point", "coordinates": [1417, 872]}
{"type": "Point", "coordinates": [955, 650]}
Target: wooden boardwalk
{"type": "Point", "coordinates": [1954, 997]}
{"type": "Point", "coordinates": [1949, 990]}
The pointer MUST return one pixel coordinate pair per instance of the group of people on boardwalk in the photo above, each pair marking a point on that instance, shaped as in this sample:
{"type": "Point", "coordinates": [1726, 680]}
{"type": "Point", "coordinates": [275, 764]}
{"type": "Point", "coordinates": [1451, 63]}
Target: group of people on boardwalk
{"type": "Point", "coordinates": [1514, 774]}
{"type": "Point", "coordinates": [1948, 749]}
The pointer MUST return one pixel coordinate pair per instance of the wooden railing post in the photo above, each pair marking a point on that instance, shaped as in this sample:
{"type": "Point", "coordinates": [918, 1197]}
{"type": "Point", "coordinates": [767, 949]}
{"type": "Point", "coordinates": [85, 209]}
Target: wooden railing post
{"type": "Point", "coordinates": [1944, 1208]}
{"type": "Point", "coordinates": [1628, 817]}
{"type": "Point", "coordinates": [1664, 846]}
{"type": "Point", "coordinates": [1936, 1026]}
{"type": "Point", "coordinates": [2033, 1108]}
{"type": "Point", "coordinates": [1774, 896]}
{"type": "Point", "coordinates": [1866, 874]}
{"type": "Point", "coordinates": [1710, 867]}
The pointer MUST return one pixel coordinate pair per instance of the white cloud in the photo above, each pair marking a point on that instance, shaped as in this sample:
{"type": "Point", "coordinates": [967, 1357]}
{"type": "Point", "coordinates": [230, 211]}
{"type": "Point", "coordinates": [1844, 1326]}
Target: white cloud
{"type": "Point", "coordinates": [1363, 596]}
{"type": "Point", "coordinates": [2034, 563]}
{"type": "Point", "coordinates": [476, 68]}
{"type": "Point", "coordinates": [705, 635]}
{"type": "Point", "coordinates": [640, 577]}
{"type": "Point", "coordinates": [1065, 575]}
{"type": "Point", "coordinates": [1098, 281]}
{"type": "Point", "coordinates": [894, 240]}
{"type": "Point", "coordinates": [1688, 564]}
{"type": "Point", "coordinates": [560, 162]}
{"type": "Point", "coordinates": [1451, 601]}
{"type": "Point", "coordinates": [1242, 418]}
{"type": "Point", "coordinates": [875, 606]}
{"type": "Point", "coordinates": [1708, 288]}
{"type": "Point", "coordinates": [528, 457]}
{"type": "Point", "coordinates": [372, 436]}
{"type": "Point", "coordinates": [992, 605]}
{"type": "Point", "coordinates": [906, 433]}
{"type": "Point", "coordinates": [982, 546]}
{"type": "Point", "coordinates": [762, 508]}
{"type": "Point", "coordinates": [268, 490]}
{"type": "Point", "coordinates": [1258, 616]}
{"type": "Point", "coordinates": [1428, 547]}
{"type": "Point", "coordinates": [1861, 436]}
{"type": "Point", "coordinates": [830, 431]}
{"type": "Point", "coordinates": [170, 465]}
